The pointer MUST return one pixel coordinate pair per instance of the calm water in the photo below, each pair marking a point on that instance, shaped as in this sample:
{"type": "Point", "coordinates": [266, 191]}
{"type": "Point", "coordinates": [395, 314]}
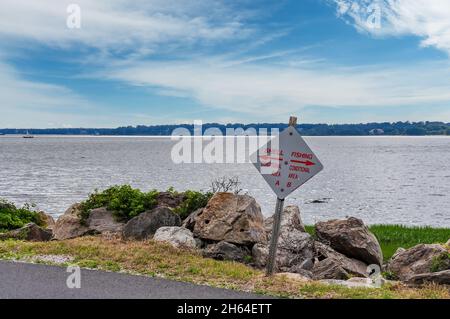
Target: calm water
{"type": "Point", "coordinates": [379, 179]}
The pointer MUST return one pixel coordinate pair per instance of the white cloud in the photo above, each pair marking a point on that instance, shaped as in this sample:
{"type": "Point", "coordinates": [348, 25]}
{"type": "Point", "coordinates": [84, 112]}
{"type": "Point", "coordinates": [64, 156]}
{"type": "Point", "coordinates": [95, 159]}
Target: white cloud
{"type": "Point", "coordinates": [427, 19]}
{"type": "Point", "coordinates": [119, 25]}
{"type": "Point", "coordinates": [256, 89]}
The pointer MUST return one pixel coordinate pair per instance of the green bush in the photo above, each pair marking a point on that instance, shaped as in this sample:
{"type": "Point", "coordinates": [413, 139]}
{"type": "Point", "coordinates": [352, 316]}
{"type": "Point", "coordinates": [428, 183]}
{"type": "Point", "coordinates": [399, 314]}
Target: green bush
{"type": "Point", "coordinates": [192, 201]}
{"type": "Point", "coordinates": [12, 217]}
{"type": "Point", "coordinates": [126, 202]}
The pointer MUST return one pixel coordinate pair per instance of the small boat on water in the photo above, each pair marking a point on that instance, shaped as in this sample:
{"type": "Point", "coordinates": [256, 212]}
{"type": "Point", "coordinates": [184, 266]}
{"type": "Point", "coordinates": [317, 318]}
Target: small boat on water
{"type": "Point", "coordinates": [28, 135]}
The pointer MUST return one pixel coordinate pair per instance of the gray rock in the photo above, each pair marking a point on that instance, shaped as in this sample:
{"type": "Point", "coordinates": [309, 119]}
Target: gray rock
{"type": "Point", "coordinates": [415, 261]}
{"type": "Point", "coordinates": [145, 225]}
{"type": "Point", "coordinates": [169, 200]}
{"type": "Point", "coordinates": [330, 264]}
{"type": "Point", "coordinates": [351, 283]}
{"type": "Point", "coordinates": [69, 225]}
{"type": "Point", "coordinates": [440, 278]}
{"type": "Point", "coordinates": [290, 220]}
{"type": "Point", "coordinates": [294, 248]}
{"type": "Point", "coordinates": [176, 236]}
{"type": "Point", "coordinates": [351, 238]}
{"type": "Point", "coordinates": [226, 251]}
{"type": "Point", "coordinates": [233, 218]}
{"type": "Point", "coordinates": [102, 221]}
{"type": "Point", "coordinates": [189, 222]}
{"type": "Point", "coordinates": [29, 232]}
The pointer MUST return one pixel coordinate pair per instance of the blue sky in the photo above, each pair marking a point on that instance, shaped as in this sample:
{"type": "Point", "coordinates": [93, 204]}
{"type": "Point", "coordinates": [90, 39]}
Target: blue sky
{"type": "Point", "coordinates": [172, 61]}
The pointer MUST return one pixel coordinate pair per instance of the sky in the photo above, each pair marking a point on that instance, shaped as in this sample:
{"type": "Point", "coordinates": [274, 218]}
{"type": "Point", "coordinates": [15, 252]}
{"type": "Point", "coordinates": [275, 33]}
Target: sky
{"type": "Point", "coordinates": [109, 63]}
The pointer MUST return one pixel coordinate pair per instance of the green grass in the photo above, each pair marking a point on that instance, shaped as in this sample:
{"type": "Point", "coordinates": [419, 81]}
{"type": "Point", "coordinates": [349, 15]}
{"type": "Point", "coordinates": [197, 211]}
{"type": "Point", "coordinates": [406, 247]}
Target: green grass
{"type": "Point", "coordinates": [391, 237]}
{"type": "Point", "coordinates": [157, 259]}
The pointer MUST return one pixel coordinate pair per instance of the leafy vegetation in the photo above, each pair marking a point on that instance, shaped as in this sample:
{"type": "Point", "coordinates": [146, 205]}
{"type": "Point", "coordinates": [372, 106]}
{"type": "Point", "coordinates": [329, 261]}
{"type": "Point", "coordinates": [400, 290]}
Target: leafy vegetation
{"type": "Point", "coordinates": [192, 201]}
{"type": "Point", "coordinates": [441, 262]}
{"type": "Point", "coordinates": [161, 260]}
{"type": "Point", "coordinates": [391, 237]}
{"type": "Point", "coordinates": [12, 217]}
{"type": "Point", "coordinates": [126, 202]}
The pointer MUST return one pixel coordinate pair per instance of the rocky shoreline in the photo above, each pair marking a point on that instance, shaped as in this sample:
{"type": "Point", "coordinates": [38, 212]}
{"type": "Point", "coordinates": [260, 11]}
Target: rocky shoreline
{"type": "Point", "coordinates": [232, 227]}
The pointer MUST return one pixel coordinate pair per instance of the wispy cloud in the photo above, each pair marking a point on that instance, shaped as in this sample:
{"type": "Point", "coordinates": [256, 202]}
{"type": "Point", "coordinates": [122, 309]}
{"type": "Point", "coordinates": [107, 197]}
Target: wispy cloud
{"type": "Point", "coordinates": [268, 88]}
{"type": "Point", "coordinates": [429, 20]}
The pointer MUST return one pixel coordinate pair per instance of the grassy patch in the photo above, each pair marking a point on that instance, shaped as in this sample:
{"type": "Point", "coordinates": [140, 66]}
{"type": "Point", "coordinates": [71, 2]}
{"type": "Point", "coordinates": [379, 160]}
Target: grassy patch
{"type": "Point", "coordinates": [391, 237]}
{"type": "Point", "coordinates": [157, 259]}
{"type": "Point", "coordinates": [12, 217]}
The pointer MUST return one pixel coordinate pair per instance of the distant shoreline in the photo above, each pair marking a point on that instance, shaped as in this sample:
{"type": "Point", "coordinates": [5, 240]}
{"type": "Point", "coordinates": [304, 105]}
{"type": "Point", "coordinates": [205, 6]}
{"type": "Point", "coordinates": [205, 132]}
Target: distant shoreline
{"type": "Point", "coordinates": [368, 129]}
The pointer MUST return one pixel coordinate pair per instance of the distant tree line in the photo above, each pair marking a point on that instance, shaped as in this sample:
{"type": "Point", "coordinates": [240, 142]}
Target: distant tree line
{"type": "Point", "coordinates": [386, 128]}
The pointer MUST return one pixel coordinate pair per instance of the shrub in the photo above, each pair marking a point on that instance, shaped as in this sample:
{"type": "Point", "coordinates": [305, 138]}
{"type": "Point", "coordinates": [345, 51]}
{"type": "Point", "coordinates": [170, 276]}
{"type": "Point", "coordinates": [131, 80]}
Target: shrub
{"type": "Point", "coordinates": [192, 201]}
{"type": "Point", "coordinates": [12, 217]}
{"type": "Point", "coordinates": [124, 201]}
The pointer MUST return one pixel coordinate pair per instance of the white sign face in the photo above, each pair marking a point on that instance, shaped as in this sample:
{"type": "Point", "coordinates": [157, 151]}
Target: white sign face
{"type": "Point", "coordinates": [286, 162]}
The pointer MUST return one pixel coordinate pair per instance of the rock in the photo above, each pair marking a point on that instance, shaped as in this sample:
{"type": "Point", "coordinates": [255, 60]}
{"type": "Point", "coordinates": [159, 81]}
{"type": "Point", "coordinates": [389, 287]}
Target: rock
{"type": "Point", "coordinates": [169, 200]}
{"type": "Point", "coordinates": [329, 269]}
{"type": "Point", "coordinates": [290, 219]}
{"type": "Point", "coordinates": [295, 246]}
{"type": "Point", "coordinates": [398, 252]}
{"type": "Point", "coordinates": [351, 238]}
{"type": "Point", "coordinates": [102, 221]}
{"type": "Point", "coordinates": [415, 261]}
{"type": "Point", "coordinates": [146, 224]}
{"type": "Point", "coordinates": [189, 222]}
{"type": "Point", "coordinates": [293, 250]}
{"type": "Point", "coordinates": [441, 278]}
{"type": "Point", "coordinates": [49, 222]}
{"type": "Point", "coordinates": [176, 236]}
{"type": "Point", "coordinates": [69, 225]}
{"type": "Point", "coordinates": [448, 243]}
{"type": "Point", "coordinates": [331, 264]}
{"type": "Point", "coordinates": [29, 232]}
{"type": "Point", "coordinates": [226, 251]}
{"type": "Point", "coordinates": [233, 218]}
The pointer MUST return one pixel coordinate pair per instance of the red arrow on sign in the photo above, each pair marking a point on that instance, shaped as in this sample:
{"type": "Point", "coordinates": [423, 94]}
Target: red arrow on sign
{"type": "Point", "coordinates": [307, 163]}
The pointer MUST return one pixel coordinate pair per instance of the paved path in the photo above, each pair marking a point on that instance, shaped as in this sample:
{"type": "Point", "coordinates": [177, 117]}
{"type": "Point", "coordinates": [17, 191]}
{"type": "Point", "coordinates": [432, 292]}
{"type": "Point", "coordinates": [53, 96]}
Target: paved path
{"type": "Point", "coordinates": [21, 280]}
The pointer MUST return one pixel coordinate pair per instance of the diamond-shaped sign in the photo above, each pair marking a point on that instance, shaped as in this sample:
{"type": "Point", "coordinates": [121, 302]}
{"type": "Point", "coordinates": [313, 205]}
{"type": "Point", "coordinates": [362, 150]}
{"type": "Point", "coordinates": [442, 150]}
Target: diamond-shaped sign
{"type": "Point", "coordinates": [286, 162]}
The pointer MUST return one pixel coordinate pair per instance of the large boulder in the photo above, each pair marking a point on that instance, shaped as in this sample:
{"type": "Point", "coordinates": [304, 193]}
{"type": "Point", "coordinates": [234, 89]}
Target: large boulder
{"type": "Point", "coordinates": [295, 246]}
{"type": "Point", "coordinates": [330, 264]}
{"type": "Point", "coordinates": [145, 225]}
{"type": "Point", "coordinates": [417, 260]}
{"type": "Point", "coordinates": [290, 219]}
{"type": "Point", "coordinates": [176, 236]}
{"type": "Point", "coordinates": [232, 218]}
{"type": "Point", "coordinates": [49, 222]}
{"type": "Point", "coordinates": [169, 199]}
{"type": "Point", "coordinates": [101, 220]}
{"type": "Point", "coordinates": [70, 225]}
{"type": "Point", "coordinates": [226, 251]}
{"type": "Point", "coordinates": [29, 232]}
{"type": "Point", "coordinates": [440, 278]}
{"type": "Point", "coordinates": [190, 221]}
{"type": "Point", "coordinates": [351, 238]}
